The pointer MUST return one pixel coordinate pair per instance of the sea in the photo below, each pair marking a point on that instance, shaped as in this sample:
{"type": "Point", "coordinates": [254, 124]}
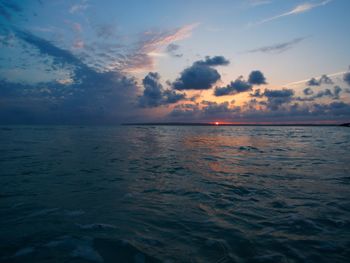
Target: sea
{"type": "Point", "coordinates": [174, 194]}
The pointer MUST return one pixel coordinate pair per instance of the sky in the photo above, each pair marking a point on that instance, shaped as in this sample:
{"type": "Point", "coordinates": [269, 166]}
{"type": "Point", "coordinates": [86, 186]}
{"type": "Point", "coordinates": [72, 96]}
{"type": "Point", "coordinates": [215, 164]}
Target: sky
{"type": "Point", "coordinates": [234, 61]}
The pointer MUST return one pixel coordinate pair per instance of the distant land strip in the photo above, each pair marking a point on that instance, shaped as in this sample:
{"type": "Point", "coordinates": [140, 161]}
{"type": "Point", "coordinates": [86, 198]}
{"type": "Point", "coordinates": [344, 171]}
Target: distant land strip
{"type": "Point", "coordinates": [227, 124]}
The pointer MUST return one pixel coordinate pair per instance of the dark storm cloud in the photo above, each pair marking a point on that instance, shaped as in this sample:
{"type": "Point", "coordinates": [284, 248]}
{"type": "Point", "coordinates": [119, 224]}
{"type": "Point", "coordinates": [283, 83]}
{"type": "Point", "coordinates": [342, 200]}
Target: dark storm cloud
{"type": "Point", "coordinates": [235, 87]}
{"type": "Point", "coordinates": [256, 77]}
{"type": "Point", "coordinates": [278, 48]}
{"type": "Point", "coordinates": [154, 95]}
{"type": "Point", "coordinates": [196, 77]}
{"type": "Point", "coordinates": [324, 79]}
{"type": "Point", "coordinates": [213, 61]}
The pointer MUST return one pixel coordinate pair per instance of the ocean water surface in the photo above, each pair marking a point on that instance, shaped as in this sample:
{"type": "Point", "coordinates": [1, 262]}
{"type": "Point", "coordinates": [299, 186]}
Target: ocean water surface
{"type": "Point", "coordinates": [174, 194]}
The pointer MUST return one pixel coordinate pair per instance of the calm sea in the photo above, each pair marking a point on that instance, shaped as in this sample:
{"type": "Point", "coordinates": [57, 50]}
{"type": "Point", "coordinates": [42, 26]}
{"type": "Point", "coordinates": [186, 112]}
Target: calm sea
{"type": "Point", "coordinates": [174, 194]}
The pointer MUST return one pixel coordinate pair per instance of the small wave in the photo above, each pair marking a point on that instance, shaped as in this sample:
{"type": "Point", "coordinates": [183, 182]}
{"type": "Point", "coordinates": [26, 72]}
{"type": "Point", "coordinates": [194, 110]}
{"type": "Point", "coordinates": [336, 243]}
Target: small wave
{"type": "Point", "coordinates": [97, 226]}
{"type": "Point", "coordinates": [249, 149]}
{"type": "Point", "coordinates": [43, 212]}
{"type": "Point", "coordinates": [73, 212]}
{"type": "Point", "coordinates": [24, 251]}
{"type": "Point", "coordinates": [86, 251]}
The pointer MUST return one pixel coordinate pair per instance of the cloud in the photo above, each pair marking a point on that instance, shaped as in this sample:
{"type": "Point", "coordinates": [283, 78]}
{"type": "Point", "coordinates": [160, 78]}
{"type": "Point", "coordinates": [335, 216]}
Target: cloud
{"type": "Point", "coordinates": [278, 48]}
{"type": "Point", "coordinates": [78, 7]}
{"type": "Point", "coordinates": [308, 91]}
{"type": "Point", "coordinates": [222, 110]}
{"type": "Point", "coordinates": [235, 87]}
{"type": "Point", "coordinates": [256, 112]}
{"type": "Point", "coordinates": [256, 77]}
{"type": "Point", "coordinates": [324, 79]}
{"type": "Point", "coordinates": [295, 83]}
{"type": "Point", "coordinates": [8, 9]}
{"type": "Point", "coordinates": [302, 8]}
{"type": "Point", "coordinates": [257, 94]}
{"type": "Point", "coordinates": [213, 61]}
{"type": "Point", "coordinates": [258, 2]}
{"type": "Point", "coordinates": [172, 49]}
{"type": "Point", "coordinates": [201, 75]}
{"type": "Point", "coordinates": [45, 47]}
{"type": "Point", "coordinates": [346, 78]}
{"type": "Point", "coordinates": [335, 94]}
{"type": "Point", "coordinates": [105, 31]}
{"type": "Point", "coordinates": [336, 91]}
{"type": "Point", "coordinates": [276, 98]}
{"type": "Point", "coordinates": [89, 97]}
{"type": "Point", "coordinates": [152, 41]}
{"type": "Point", "coordinates": [154, 95]}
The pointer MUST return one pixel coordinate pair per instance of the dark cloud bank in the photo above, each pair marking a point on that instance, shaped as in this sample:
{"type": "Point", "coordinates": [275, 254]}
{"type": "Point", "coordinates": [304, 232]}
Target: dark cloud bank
{"type": "Point", "coordinates": [92, 97]}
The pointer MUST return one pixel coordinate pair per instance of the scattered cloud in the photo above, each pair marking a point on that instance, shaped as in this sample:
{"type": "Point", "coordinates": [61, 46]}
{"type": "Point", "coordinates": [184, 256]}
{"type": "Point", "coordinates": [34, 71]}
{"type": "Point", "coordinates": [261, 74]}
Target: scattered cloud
{"type": "Point", "coordinates": [256, 77]}
{"type": "Point", "coordinates": [213, 61]}
{"type": "Point", "coordinates": [154, 94]}
{"type": "Point", "coordinates": [152, 41]}
{"type": "Point", "coordinates": [346, 78]}
{"type": "Point", "coordinates": [321, 94]}
{"type": "Point", "coordinates": [324, 79]}
{"type": "Point", "coordinates": [105, 31]}
{"type": "Point", "coordinates": [9, 9]}
{"type": "Point", "coordinates": [259, 2]}
{"type": "Point", "coordinates": [79, 7]}
{"type": "Point", "coordinates": [201, 75]}
{"type": "Point", "coordinates": [308, 91]}
{"type": "Point", "coordinates": [173, 50]}
{"type": "Point", "coordinates": [307, 80]}
{"type": "Point", "coordinates": [302, 8]}
{"type": "Point", "coordinates": [235, 87]}
{"type": "Point", "coordinates": [276, 98]}
{"type": "Point", "coordinates": [278, 48]}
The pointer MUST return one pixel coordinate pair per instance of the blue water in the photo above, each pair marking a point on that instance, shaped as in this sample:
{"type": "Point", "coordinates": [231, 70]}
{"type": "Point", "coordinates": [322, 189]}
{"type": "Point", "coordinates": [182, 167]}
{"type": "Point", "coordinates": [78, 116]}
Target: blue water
{"type": "Point", "coordinates": [174, 194]}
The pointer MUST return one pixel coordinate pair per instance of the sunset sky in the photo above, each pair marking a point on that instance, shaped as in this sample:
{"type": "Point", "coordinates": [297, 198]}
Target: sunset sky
{"type": "Point", "coordinates": [241, 61]}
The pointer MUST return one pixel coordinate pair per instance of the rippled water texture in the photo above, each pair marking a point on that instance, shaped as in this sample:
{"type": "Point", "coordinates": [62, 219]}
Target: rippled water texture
{"type": "Point", "coordinates": [175, 194]}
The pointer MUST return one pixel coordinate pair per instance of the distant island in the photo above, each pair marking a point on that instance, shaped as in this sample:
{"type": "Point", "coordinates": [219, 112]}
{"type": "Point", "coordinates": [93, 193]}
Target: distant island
{"type": "Point", "coordinates": [226, 124]}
